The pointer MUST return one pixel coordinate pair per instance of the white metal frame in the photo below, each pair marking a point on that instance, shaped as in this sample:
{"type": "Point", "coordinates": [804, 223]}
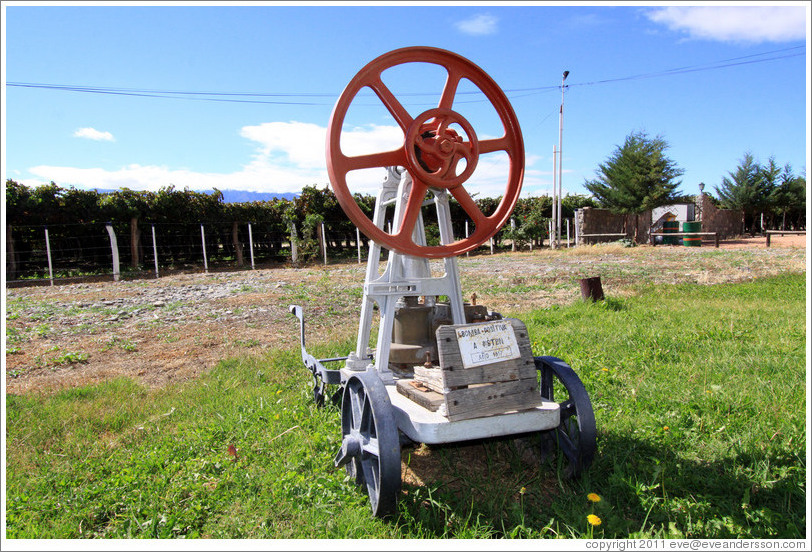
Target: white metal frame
{"type": "Point", "coordinates": [404, 275]}
{"type": "Point", "coordinates": [407, 276]}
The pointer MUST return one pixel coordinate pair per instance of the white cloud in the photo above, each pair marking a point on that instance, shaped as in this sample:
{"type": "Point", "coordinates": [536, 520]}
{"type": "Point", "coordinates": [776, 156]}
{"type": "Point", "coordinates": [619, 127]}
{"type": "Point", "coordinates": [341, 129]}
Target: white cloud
{"type": "Point", "coordinates": [371, 139]}
{"type": "Point", "coordinates": [93, 134]}
{"type": "Point", "coordinates": [482, 24]}
{"type": "Point", "coordinates": [258, 176]}
{"type": "Point", "coordinates": [287, 157]}
{"type": "Point", "coordinates": [293, 143]}
{"type": "Point", "coordinates": [752, 24]}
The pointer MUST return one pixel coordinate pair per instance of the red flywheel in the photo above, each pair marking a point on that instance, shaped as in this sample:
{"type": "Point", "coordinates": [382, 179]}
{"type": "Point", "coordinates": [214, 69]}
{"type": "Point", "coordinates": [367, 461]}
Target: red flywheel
{"type": "Point", "coordinates": [433, 152]}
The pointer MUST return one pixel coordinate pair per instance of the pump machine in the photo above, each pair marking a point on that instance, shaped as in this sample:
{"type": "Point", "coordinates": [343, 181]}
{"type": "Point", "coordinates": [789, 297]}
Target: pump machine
{"type": "Point", "coordinates": [443, 370]}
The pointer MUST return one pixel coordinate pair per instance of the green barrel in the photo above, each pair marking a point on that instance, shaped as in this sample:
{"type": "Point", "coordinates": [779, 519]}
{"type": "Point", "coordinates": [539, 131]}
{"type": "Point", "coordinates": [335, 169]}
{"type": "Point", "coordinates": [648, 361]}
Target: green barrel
{"type": "Point", "coordinates": [692, 240]}
{"type": "Point", "coordinates": [671, 226]}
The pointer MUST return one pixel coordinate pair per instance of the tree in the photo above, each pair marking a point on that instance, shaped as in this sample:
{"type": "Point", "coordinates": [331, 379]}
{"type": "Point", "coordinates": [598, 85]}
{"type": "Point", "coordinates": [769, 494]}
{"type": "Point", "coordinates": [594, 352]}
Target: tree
{"type": "Point", "coordinates": [770, 174]}
{"type": "Point", "coordinates": [637, 177]}
{"type": "Point", "coordinates": [746, 190]}
{"type": "Point", "coordinates": [570, 203]}
{"type": "Point", "coordinates": [18, 202]}
{"type": "Point", "coordinates": [789, 195]}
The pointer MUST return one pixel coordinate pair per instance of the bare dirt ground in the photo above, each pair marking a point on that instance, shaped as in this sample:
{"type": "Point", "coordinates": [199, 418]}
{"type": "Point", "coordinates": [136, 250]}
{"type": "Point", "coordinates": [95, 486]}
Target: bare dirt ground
{"type": "Point", "coordinates": [174, 328]}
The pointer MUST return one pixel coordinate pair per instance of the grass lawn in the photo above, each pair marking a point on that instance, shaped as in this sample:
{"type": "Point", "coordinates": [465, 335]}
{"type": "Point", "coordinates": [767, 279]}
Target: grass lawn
{"type": "Point", "coordinates": [699, 396]}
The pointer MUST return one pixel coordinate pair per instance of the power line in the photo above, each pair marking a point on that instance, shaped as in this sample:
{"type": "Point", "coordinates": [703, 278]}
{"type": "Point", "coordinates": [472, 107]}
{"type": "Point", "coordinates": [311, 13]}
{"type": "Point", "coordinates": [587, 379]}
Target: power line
{"type": "Point", "coordinates": [262, 97]}
{"type": "Point", "coordinates": [692, 69]}
{"type": "Point", "coordinates": [194, 96]}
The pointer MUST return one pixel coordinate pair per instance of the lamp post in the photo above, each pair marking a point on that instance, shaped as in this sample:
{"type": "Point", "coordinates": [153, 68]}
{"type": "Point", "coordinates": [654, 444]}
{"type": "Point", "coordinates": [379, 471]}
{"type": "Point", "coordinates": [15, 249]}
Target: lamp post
{"type": "Point", "coordinates": [701, 198]}
{"type": "Point", "coordinates": [561, 155]}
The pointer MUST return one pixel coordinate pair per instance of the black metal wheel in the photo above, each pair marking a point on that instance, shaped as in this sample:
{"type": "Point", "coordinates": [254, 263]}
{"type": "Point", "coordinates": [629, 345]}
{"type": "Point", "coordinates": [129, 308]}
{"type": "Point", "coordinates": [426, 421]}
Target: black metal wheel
{"type": "Point", "coordinates": [576, 433]}
{"type": "Point", "coordinates": [370, 447]}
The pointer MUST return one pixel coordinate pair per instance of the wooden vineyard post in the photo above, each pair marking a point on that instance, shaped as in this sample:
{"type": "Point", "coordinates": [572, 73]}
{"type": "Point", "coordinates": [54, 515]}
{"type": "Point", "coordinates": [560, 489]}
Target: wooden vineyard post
{"type": "Point", "coordinates": [251, 245]}
{"type": "Point", "coordinates": [568, 232]}
{"type": "Point", "coordinates": [114, 249]}
{"type": "Point", "coordinates": [324, 243]}
{"type": "Point", "coordinates": [591, 289]}
{"type": "Point", "coordinates": [135, 243]}
{"type": "Point", "coordinates": [203, 242]}
{"type": "Point", "coordinates": [294, 243]}
{"type": "Point", "coordinates": [155, 251]}
{"type": "Point", "coordinates": [11, 258]}
{"type": "Point", "coordinates": [235, 240]}
{"type": "Point", "coordinates": [48, 254]}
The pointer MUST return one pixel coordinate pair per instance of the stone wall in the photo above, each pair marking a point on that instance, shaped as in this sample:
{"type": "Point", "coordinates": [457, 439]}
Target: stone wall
{"type": "Point", "coordinates": [727, 222]}
{"type": "Point", "coordinates": [591, 220]}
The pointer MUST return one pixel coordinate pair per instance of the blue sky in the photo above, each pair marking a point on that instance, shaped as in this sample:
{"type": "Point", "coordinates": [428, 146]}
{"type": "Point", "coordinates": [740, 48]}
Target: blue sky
{"type": "Point", "coordinates": [714, 81]}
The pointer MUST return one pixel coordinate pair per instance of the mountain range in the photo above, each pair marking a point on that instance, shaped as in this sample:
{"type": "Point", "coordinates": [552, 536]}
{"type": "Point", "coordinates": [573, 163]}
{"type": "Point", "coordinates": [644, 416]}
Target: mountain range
{"type": "Point", "coordinates": [240, 196]}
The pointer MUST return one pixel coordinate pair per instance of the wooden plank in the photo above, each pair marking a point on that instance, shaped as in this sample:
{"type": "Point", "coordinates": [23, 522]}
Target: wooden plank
{"type": "Point", "coordinates": [495, 398]}
{"type": "Point", "coordinates": [438, 379]}
{"type": "Point", "coordinates": [683, 233]}
{"type": "Point", "coordinates": [493, 373]}
{"type": "Point", "coordinates": [430, 377]}
{"type": "Point", "coordinates": [714, 234]}
{"type": "Point", "coordinates": [423, 396]}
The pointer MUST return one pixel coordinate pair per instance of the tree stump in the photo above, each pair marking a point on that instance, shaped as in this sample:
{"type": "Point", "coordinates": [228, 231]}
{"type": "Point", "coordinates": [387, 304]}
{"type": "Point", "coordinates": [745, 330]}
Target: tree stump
{"type": "Point", "coordinates": [591, 289]}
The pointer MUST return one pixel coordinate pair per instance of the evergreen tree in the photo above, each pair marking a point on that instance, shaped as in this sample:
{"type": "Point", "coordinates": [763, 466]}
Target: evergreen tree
{"type": "Point", "coordinates": [637, 177]}
{"type": "Point", "coordinates": [770, 174]}
{"type": "Point", "coordinates": [745, 190]}
{"type": "Point", "coordinates": [789, 196]}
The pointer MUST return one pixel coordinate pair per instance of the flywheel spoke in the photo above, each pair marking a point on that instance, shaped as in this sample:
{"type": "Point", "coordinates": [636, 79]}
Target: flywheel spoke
{"type": "Point", "coordinates": [567, 446]}
{"type": "Point", "coordinates": [370, 448]}
{"type": "Point", "coordinates": [567, 409]}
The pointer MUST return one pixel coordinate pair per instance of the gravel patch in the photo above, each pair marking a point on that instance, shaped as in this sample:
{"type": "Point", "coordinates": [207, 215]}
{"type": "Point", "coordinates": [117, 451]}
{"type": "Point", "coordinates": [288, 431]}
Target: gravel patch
{"type": "Point", "coordinates": [174, 328]}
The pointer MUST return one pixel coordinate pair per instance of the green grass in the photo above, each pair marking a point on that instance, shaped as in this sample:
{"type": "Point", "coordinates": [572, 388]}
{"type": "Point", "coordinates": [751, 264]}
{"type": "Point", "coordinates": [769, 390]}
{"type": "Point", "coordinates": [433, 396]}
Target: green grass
{"type": "Point", "coordinates": [698, 391]}
{"type": "Point", "coordinates": [699, 395]}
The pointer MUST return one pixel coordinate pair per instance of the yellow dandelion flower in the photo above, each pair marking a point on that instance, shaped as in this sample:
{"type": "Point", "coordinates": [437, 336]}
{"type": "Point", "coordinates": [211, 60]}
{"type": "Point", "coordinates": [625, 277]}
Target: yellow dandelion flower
{"type": "Point", "coordinates": [593, 520]}
{"type": "Point", "coordinates": [523, 490]}
{"type": "Point", "coordinates": [605, 369]}
{"type": "Point", "coordinates": [666, 428]}
{"type": "Point", "coordinates": [592, 497]}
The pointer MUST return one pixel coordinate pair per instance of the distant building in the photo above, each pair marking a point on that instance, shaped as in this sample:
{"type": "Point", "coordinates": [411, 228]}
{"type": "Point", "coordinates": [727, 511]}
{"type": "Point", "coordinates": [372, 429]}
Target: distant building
{"type": "Point", "coordinates": [679, 212]}
{"type": "Point", "coordinates": [683, 212]}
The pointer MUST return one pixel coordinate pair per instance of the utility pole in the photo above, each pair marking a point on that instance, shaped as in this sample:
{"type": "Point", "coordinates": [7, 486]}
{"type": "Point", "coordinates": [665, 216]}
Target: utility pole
{"type": "Point", "coordinates": [560, 153]}
{"type": "Point", "coordinates": [555, 203]}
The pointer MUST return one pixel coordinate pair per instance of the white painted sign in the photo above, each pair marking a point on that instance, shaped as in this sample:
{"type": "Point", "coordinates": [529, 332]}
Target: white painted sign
{"type": "Point", "coordinates": [483, 344]}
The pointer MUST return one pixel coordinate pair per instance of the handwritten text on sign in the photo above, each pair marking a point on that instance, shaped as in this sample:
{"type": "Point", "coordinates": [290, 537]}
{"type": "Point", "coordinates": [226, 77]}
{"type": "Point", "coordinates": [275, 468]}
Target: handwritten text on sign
{"type": "Point", "coordinates": [487, 343]}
